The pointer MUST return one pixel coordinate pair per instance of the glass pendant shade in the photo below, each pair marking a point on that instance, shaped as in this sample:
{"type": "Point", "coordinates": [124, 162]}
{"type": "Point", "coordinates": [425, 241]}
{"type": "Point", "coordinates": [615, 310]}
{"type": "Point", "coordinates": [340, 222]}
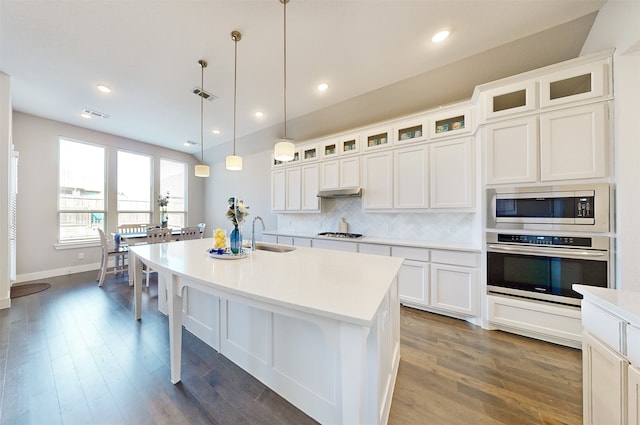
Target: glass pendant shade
{"type": "Point", "coordinates": [284, 150]}
{"type": "Point", "coordinates": [234, 163]}
{"type": "Point", "coordinates": [202, 170]}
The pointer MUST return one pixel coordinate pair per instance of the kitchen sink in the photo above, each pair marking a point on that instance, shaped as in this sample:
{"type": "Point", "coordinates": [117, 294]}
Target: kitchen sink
{"type": "Point", "coordinates": [260, 246]}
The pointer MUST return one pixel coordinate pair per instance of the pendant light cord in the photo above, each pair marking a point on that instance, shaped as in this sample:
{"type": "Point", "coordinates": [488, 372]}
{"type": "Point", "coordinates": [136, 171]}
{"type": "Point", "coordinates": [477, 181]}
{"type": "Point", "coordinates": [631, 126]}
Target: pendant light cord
{"type": "Point", "coordinates": [203, 64]}
{"type": "Point", "coordinates": [285, 67]}
{"type": "Point", "coordinates": [236, 37]}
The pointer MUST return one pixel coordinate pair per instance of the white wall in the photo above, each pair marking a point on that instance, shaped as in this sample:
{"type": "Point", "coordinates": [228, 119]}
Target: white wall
{"type": "Point", "coordinates": [617, 26]}
{"type": "Point", "coordinates": [5, 158]}
{"type": "Point", "coordinates": [252, 184]}
{"type": "Point", "coordinates": [37, 227]}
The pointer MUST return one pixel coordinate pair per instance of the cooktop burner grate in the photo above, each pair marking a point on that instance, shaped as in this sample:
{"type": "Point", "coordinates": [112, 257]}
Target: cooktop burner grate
{"type": "Point", "coordinates": [341, 235]}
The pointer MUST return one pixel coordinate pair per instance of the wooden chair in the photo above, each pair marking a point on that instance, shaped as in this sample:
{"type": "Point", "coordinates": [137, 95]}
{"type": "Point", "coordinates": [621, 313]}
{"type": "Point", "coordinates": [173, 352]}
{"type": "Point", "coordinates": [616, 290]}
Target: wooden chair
{"type": "Point", "coordinates": [155, 235]}
{"type": "Point", "coordinates": [117, 252]}
{"type": "Point", "coordinates": [190, 232]}
{"type": "Point", "coordinates": [129, 229]}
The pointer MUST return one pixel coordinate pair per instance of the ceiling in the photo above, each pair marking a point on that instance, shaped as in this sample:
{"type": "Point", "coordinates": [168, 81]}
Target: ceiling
{"type": "Point", "coordinates": [376, 56]}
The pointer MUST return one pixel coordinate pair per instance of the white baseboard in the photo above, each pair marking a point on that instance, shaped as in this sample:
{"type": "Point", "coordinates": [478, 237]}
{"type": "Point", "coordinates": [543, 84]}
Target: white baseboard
{"type": "Point", "coordinates": [5, 303]}
{"type": "Point", "coordinates": [28, 277]}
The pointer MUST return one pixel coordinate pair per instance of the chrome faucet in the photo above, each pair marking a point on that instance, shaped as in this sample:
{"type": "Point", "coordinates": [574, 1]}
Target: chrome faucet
{"type": "Point", "coordinates": [253, 231]}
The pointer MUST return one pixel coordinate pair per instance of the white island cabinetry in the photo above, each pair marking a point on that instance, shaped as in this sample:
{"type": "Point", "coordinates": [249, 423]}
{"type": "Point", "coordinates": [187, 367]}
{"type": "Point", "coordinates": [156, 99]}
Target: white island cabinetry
{"type": "Point", "coordinates": [334, 359]}
{"type": "Point", "coordinates": [610, 355]}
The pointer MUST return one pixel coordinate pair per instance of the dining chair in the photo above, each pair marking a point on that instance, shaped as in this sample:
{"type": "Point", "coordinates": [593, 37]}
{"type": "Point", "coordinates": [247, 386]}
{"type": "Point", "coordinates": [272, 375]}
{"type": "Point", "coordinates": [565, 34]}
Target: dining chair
{"type": "Point", "coordinates": [132, 229]}
{"type": "Point", "coordinates": [190, 232]}
{"type": "Point", "coordinates": [111, 250]}
{"type": "Point", "coordinates": [155, 235]}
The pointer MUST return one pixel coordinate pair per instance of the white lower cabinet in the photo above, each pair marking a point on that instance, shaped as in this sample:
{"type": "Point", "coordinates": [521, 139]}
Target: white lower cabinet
{"type": "Point", "coordinates": [413, 282]}
{"type": "Point", "coordinates": [604, 383]}
{"type": "Point", "coordinates": [454, 288]}
{"type": "Point", "coordinates": [633, 395]}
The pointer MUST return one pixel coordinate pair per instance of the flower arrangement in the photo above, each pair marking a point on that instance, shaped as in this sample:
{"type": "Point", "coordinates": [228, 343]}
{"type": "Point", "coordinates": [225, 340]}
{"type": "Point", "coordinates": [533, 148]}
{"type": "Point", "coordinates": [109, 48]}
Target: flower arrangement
{"type": "Point", "coordinates": [163, 200]}
{"type": "Point", "coordinates": [237, 211]}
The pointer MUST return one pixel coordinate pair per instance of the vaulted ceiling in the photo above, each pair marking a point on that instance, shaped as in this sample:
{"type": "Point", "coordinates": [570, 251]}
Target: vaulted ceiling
{"type": "Point", "coordinates": [376, 56]}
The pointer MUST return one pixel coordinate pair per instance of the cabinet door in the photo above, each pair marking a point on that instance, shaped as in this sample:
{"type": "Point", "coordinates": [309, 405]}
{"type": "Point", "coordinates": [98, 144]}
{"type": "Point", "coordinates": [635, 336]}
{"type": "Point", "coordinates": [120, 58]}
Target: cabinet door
{"type": "Point", "coordinates": [573, 143]}
{"type": "Point", "coordinates": [413, 283]}
{"type": "Point", "coordinates": [278, 190]}
{"type": "Point", "coordinates": [454, 288]}
{"type": "Point", "coordinates": [633, 396]}
{"type": "Point", "coordinates": [294, 189]}
{"type": "Point", "coordinates": [350, 172]}
{"type": "Point", "coordinates": [451, 174]}
{"type": "Point", "coordinates": [377, 174]}
{"type": "Point", "coordinates": [411, 181]}
{"type": "Point", "coordinates": [329, 175]}
{"type": "Point", "coordinates": [310, 200]}
{"type": "Point", "coordinates": [512, 151]}
{"type": "Point", "coordinates": [604, 383]}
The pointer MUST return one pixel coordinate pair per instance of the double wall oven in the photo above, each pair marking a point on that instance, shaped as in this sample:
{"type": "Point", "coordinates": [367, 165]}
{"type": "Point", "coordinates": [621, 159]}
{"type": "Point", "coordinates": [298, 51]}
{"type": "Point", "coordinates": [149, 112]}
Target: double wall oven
{"type": "Point", "coordinates": [542, 240]}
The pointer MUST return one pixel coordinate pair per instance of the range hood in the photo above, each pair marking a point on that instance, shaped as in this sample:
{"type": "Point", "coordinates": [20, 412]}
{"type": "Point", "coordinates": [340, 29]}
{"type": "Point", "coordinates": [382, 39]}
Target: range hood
{"type": "Point", "coordinates": [354, 192]}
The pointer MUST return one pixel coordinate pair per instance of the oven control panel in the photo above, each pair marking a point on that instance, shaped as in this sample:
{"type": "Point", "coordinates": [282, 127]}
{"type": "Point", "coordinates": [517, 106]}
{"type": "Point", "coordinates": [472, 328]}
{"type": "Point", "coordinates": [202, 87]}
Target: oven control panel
{"type": "Point", "coordinates": [545, 240]}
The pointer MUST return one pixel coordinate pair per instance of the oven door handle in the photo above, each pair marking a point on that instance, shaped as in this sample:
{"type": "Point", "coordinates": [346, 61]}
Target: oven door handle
{"type": "Point", "coordinates": [555, 252]}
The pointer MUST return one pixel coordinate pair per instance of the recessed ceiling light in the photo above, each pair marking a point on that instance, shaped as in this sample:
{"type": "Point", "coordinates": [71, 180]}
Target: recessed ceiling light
{"type": "Point", "coordinates": [440, 36]}
{"type": "Point", "coordinates": [103, 88]}
{"type": "Point", "coordinates": [216, 131]}
{"type": "Point", "coordinates": [259, 114]}
{"type": "Point", "coordinates": [323, 87]}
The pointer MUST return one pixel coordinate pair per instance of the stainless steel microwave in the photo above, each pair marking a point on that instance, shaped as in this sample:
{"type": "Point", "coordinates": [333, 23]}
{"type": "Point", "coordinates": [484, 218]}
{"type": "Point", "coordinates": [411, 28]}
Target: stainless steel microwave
{"type": "Point", "coordinates": [583, 208]}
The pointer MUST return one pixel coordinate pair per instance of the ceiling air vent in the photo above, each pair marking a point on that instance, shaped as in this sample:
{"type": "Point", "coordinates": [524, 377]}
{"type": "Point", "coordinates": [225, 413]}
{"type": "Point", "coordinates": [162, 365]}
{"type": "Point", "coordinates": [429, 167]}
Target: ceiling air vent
{"type": "Point", "coordinates": [95, 113]}
{"type": "Point", "coordinates": [204, 94]}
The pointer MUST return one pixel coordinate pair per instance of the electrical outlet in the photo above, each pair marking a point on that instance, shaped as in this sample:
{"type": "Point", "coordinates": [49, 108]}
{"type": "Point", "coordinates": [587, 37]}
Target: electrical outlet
{"type": "Point", "coordinates": [81, 256]}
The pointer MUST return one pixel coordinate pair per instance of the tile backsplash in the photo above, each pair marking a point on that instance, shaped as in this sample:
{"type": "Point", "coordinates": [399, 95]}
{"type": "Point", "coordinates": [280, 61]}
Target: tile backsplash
{"type": "Point", "coordinates": [456, 228]}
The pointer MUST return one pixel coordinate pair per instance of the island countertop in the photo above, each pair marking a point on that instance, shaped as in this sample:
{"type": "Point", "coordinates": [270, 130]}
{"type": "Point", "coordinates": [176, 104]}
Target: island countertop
{"type": "Point", "coordinates": [334, 284]}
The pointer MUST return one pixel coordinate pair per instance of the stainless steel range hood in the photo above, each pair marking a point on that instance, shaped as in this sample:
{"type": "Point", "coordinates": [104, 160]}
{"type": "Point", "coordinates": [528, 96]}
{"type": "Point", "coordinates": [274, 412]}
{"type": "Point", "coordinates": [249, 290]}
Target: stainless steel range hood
{"type": "Point", "coordinates": [354, 192]}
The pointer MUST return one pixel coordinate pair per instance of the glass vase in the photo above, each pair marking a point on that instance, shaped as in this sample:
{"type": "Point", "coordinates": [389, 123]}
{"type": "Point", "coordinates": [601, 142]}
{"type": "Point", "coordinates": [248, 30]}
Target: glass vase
{"type": "Point", "coordinates": [164, 219]}
{"type": "Point", "coordinates": [235, 240]}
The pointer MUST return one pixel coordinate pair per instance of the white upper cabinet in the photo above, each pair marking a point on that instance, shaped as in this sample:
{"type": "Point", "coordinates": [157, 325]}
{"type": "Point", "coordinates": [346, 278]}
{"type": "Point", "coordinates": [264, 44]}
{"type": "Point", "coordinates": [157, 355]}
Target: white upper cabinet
{"type": "Point", "coordinates": [411, 177]}
{"type": "Point", "coordinates": [377, 176]}
{"type": "Point", "coordinates": [349, 144]}
{"type": "Point", "coordinates": [294, 189]}
{"type": "Point", "coordinates": [278, 190]}
{"type": "Point", "coordinates": [452, 174]}
{"type": "Point", "coordinates": [587, 81]}
{"type": "Point", "coordinates": [411, 130]}
{"type": "Point", "coordinates": [309, 152]}
{"type": "Point", "coordinates": [573, 143]}
{"type": "Point", "coordinates": [510, 99]}
{"type": "Point", "coordinates": [512, 151]}
{"type": "Point", "coordinates": [453, 122]}
{"type": "Point", "coordinates": [341, 173]}
{"type": "Point", "coordinates": [377, 138]}
{"type": "Point", "coordinates": [310, 175]}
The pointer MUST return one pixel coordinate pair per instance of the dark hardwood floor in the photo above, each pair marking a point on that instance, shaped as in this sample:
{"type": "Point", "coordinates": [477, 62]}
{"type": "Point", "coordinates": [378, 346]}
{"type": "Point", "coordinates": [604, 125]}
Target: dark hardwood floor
{"type": "Point", "coordinates": [74, 354]}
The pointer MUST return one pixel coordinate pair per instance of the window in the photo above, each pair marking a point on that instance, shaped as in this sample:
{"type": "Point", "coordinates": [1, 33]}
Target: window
{"type": "Point", "coordinates": [81, 191]}
{"type": "Point", "coordinates": [134, 188]}
{"type": "Point", "coordinates": [173, 181]}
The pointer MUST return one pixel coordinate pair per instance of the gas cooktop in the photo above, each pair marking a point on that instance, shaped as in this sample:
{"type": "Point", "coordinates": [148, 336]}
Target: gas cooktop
{"type": "Point", "coordinates": [341, 235]}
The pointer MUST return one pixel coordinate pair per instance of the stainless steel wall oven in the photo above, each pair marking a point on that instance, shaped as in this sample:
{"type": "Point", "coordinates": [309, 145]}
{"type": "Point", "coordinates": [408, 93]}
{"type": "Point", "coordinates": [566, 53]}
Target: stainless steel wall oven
{"type": "Point", "coordinates": [543, 267]}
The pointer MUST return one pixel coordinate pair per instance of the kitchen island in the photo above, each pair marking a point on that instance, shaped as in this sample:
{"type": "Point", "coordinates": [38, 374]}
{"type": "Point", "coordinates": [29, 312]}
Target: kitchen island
{"type": "Point", "coordinates": [319, 327]}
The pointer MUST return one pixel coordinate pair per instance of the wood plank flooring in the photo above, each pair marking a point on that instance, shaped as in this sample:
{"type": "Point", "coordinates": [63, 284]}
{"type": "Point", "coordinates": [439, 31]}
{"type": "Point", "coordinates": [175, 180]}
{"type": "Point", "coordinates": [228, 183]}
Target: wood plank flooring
{"type": "Point", "coordinates": [74, 354]}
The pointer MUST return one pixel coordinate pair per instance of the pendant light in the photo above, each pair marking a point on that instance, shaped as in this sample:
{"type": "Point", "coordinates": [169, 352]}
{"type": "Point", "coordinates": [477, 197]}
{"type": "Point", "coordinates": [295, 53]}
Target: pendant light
{"type": "Point", "coordinates": [285, 149]}
{"type": "Point", "coordinates": [234, 162]}
{"type": "Point", "coordinates": [201, 169]}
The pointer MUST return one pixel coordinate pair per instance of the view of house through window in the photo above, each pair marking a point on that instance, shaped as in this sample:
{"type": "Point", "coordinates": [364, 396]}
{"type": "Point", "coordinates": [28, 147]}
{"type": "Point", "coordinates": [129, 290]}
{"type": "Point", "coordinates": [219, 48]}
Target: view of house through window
{"type": "Point", "coordinates": [81, 191]}
{"type": "Point", "coordinates": [173, 181]}
{"type": "Point", "coordinates": [134, 188]}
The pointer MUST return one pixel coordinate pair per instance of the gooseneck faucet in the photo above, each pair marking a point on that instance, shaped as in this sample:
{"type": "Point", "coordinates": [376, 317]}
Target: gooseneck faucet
{"type": "Point", "coordinates": [253, 231]}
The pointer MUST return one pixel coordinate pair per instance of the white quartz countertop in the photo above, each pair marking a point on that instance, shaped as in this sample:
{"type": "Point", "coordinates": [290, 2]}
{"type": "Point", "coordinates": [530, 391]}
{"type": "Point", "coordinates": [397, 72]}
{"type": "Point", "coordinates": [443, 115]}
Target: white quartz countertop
{"type": "Point", "coordinates": [382, 241]}
{"type": "Point", "coordinates": [339, 285]}
{"type": "Point", "coordinates": [625, 304]}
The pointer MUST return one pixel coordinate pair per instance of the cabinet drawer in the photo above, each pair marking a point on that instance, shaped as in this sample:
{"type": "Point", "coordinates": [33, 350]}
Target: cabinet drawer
{"type": "Point", "coordinates": [605, 326]}
{"type": "Point", "coordinates": [457, 258]}
{"type": "Point", "coordinates": [408, 253]}
{"type": "Point", "coordinates": [369, 248]}
{"type": "Point", "coordinates": [633, 345]}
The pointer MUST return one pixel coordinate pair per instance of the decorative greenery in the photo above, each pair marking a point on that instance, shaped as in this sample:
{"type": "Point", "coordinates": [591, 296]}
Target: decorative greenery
{"type": "Point", "coordinates": [163, 201]}
{"type": "Point", "coordinates": [237, 211]}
